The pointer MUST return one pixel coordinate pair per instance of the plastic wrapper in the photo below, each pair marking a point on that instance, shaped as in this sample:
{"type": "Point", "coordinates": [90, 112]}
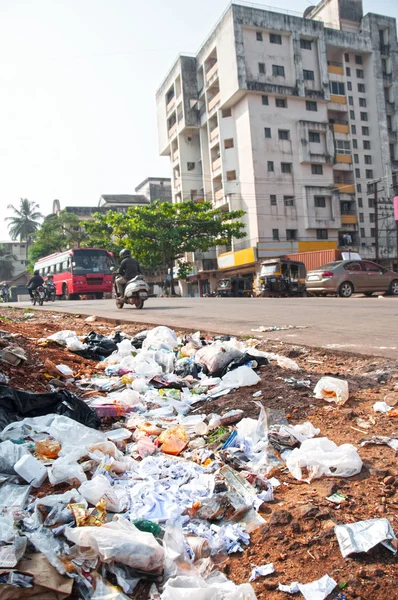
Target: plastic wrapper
{"type": "Point", "coordinates": [106, 591]}
{"type": "Point", "coordinates": [13, 497]}
{"type": "Point", "coordinates": [364, 535]}
{"type": "Point", "coordinates": [319, 589]}
{"type": "Point", "coordinates": [382, 407]}
{"type": "Point", "coordinates": [65, 370]}
{"type": "Point", "coordinates": [10, 454]}
{"type": "Point", "coordinates": [332, 390]}
{"type": "Point", "coordinates": [10, 555]}
{"type": "Point", "coordinates": [122, 542]}
{"type": "Point", "coordinates": [47, 449]}
{"type": "Point", "coordinates": [45, 542]}
{"type": "Point", "coordinates": [321, 456]}
{"type": "Point", "coordinates": [214, 588]}
{"type": "Point", "coordinates": [99, 487]}
{"type": "Point", "coordinates": [7, 531]}
{"type": "Point", "coordinates": [94, 517]}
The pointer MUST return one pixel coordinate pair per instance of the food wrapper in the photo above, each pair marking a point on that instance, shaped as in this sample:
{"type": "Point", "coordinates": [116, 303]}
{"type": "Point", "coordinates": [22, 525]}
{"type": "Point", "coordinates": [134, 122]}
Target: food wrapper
{"type": "Point", "coordinates": [94, 517]}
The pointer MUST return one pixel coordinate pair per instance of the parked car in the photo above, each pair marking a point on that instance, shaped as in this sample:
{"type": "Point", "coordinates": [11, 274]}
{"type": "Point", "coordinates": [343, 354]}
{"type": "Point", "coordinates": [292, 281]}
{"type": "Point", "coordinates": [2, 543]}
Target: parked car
{"type": "Point", "coordinates": [346, 277]}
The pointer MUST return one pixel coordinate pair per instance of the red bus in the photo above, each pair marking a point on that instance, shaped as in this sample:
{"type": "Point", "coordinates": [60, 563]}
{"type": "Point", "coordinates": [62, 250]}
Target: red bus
{"type": "Point", "coordinates": [78, 272]}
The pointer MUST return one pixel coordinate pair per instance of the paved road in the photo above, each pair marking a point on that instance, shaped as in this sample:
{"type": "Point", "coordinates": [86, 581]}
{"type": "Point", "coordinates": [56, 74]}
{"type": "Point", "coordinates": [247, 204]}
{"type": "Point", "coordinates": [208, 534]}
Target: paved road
{"type": "Point", "coordinates": [358, 324]}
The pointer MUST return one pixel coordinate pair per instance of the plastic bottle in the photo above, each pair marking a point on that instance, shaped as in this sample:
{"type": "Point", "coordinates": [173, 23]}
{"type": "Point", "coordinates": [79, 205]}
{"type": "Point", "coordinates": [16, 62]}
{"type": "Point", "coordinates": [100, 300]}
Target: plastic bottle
{"type": "Point", "coordinates": [31, 470]}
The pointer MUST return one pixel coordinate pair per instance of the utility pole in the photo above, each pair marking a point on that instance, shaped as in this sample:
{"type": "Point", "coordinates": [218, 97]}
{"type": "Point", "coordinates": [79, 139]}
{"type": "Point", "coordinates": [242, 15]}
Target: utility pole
{"type": "Point", "coordinates": [376, 220]}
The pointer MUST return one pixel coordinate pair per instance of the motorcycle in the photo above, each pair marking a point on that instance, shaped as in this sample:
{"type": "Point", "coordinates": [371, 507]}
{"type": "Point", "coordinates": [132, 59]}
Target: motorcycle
{"type": "Point", "coordinates": [38, 296]}
{"type": "Point", "coordinates": [50, 293]}
{"type": "Point", "coordinates": [135, 293]}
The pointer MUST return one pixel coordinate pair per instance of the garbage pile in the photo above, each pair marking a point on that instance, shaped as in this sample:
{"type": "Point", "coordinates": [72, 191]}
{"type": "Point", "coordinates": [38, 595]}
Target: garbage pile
{"type": "Point", "coordinates": [137, 484]}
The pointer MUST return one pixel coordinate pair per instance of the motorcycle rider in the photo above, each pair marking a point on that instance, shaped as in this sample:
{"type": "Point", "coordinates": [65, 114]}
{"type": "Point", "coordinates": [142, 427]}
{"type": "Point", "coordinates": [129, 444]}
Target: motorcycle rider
{"type": "Point", "coordinates": [49, 285]}
{"type": "Point", "coordinates": [129, 268]}
{"type": "Point", "coordinates": [5, 292]}
{"type": "Point", "coordinates": [35, 282]}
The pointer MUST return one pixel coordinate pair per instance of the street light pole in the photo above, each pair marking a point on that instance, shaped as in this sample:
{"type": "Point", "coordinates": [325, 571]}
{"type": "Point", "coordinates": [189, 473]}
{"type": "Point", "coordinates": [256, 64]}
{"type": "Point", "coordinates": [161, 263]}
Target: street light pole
{"type": "Point", "coordinates": [376, 220]}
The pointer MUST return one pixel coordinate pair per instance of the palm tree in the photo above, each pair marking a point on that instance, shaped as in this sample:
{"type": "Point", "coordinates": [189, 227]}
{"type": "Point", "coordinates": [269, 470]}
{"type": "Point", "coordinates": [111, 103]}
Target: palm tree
{"type": "Point", "coordinates": [25, 221]}
{"type": "Point", "coordinates": [6, 264]}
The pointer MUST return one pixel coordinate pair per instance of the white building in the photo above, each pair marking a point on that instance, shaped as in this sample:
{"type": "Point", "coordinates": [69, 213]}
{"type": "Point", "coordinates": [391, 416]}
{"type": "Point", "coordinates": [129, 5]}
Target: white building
{"type": "Point", "coordinates": [18, 251]}
{"type": "Point", "coordinates": [289, 118]}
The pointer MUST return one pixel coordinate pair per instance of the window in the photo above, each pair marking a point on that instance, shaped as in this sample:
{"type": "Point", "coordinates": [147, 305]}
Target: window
{"type": "Point", "coordinates": [315, 137]}
{"type": "Point", "coordinates": [369, 174]}
{"type": "Point", "coordinates": [389, 122]}
{"type": "Point", "coordinates": [286, 167]}
{"type": "Point", "coordinates": [361, 218]}
{"type": "Point", "coordinates": [355, 143]}
{"type": "Point", "coordinates": [362, 102]}
{"type": "Point", "coordinates": [284, 134]}
{"type": "Point", "coordinates": [336, 87]}
{"type": "Point", "coordinates": [357, 173]}
{"type": "Point", "coordinates": [288, 200]}
{"type": "Point", "coordinates": [361, 88]}
{"type": "Point", "coordinates": [349, 86]}
{"type": "Point", "coordinates": [365, 130]}
{"type": "Point", "coordinates": [320, 202]}
{"type": "Point", "coordinates": [352, 115]}
{"type": "Point", "coordinates": [321, 234]}
{"type": "Point", "coordinates": [371, 202]}
{"type": "Point", "coordinates": [281, 102]}
{"type": "Point", "coordinates": [373, 232]}
{"type": "Point", "coordinates": [275, 38]}
{"type": "Point", "coordinates": [305, 44]}
{"type": "Point", "coordinates": [226, 113]}
{"type": "Point", "coordinates": [347, 57]}
{"type": "Point", "coordinates": [343, 147]}
{"type": "Point", "coordinates": [359, 188]}
{"type": "Point", "coordinates": [229, 143]}
{"type": "Point", "coordinates": [360, 73]}
{"type": "Point", "coordinates": [372, 217]}
{"type": "Point", "coordinates": [190, 166]}
{"type": "Point", "coordinates": [317, 169]}
{"type": "Point", "coordinates": [270, 166]}
{"type": "Point", "coordinates": [291, 234]}
{"type": "Point", "coordinates": [348, 71]}
{"type": "Point", "coordinates": [273, 199]}
{"type": "Point", "coordinates": [264, 100]}
{"type": "Point", "coordinates": [259, 36]}
{"type": "Point", "coordinates": [308, 75]}
{"type": "Point", "coordinates": [366, 144]}
{"type": "Point", "coordinates": [350, 100]}
{"type": "Point", "coordinates": [354, 129]}
{"type": "Point", "coordinates": [358, 59]}
{"type": "Point", "coordinates": [356, 159]}
{"type": "Point", "coordinates": [278, 70]}
{"type": "Point", "coordinates": [267, 132]}
{"type": "Point", "coordinates": [368, 159]}
{"type": "Point", "coordinates": [275, 235]}
{"type": "Point", "coordinates": [231, 175]}
{"type": "Point", "coordinates": [311, 105]}
{"type": "Point", "coordinates": [261, 68]}
{"type": "Point", "coordinates": [360, 204]}
{"type": "Point", "coordinates": [362, 232]}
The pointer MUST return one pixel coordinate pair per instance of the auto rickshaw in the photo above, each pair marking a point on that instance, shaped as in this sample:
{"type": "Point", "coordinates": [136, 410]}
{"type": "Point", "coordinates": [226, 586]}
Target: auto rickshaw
{"type": "Point", "coordinates": [235, 287]}
{"type": "Point", "coordinates": [283, 277]}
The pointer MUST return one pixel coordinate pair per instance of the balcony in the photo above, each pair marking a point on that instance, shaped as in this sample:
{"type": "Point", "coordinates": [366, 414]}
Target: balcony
{"type": "Point", "coordinates": [387, 78]}
{"type": "Point", "coordinates": [343, 158]}
{"type": "Point", "coordinates": [172, 129]}
{"type": "Point", "coordinates": [216, 164]}
{"type": "Point", "coordinates": [394, 164]}
{"type": "Point", "coordinates": [342, 127]}
{"type": "Point", "coordinates": [176, 156]}
{"type": "Point", "coordinates": [212, 74]}
{"type": "Point", "coordinates": [345, 188]}
{"type": "Point", "coordinates": [337, 99]}
{"type": "Point", "coordinates": [349, 219]}
{"type": "Point", "coordinates": [214, 102]}
{"type": "Point", "coordinates": [385, 49]}
{"type": "Point", "coordinates": [180, 116]}
{"type": "Point", "coordinates": [170, 104]}
{"type": "Point", "coordinates": [347, 211]}
{"type": "Point", "coordinates": [177, 184]}
{"type": "Point", "coordinates": [336, 68]}
{"type": "Point", "coordinates": [214, 133]}
{"type": "Point", "coordinates": [393, 135]}
{"type": "Point", "coordinates": [219, 194]}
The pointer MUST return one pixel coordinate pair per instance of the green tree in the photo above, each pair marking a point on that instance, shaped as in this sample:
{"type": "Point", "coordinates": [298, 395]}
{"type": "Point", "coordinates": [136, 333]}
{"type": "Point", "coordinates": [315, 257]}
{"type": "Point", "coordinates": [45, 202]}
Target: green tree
{"type": "Point", "coordinates": [161, 233]}
{"type": "Point", "coordinates": [57, 233]}
{"type": "Point", "coordinates": [6, 264]}
{"type": "Point", "coordinates": [24, 222]}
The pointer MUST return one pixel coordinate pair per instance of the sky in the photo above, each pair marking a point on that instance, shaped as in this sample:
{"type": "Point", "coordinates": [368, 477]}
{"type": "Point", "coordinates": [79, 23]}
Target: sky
{"type": "Point", "coordinates": [77, 91]}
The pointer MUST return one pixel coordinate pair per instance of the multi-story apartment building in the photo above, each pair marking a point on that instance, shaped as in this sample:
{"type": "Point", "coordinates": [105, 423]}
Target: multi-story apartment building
{"type": "Point", "coordinates": [18, 252]}
{"type": "Point", "coordinates": [289, 118]}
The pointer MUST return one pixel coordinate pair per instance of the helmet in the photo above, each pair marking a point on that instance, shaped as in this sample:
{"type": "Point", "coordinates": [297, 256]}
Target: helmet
{"type": "Point", "coordinates": [36, 273]}
{"type": "Point", "coordinates": [125, 253]}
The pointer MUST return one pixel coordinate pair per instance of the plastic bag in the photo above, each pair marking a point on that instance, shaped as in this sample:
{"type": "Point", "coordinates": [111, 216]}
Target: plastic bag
{"type": "Point", "coordinates": [332, 390]}
{"type": "Point", "coordinates": [66, 468]}
{"type": "Point", "coordinates": [13, 497]}
{"type": "Point", "coordinates": [321, 456]}
{"type": "Point", "coordinates": [10, 454]}
{"type": "Point", "coordinates": [7, 531]}
{"type": "Point", "coordinates": [99, 487]}
{"type": "Point", "coordinates": [216, 587]}
{"type": "Point", "coordinates": [145, 366]}
{"type": "Point", "coordinates": [126, 397]}
{"type": "Point", "coordinates": [161, 334]}
{"type": "Point", "coordinates": [45, 542]}
{"type": "Point", "coordinates": [105, 591]}
{"type": "Point", "coordinates": [47, 449]}
{"type": "Point", "coordinates": [287, 363]}
{"type": "Point", "coordinates": [71, 434]}
{"type": "Point", "coordinates": [122, 542]}
{"type": "Point", "coordinates": [75, 345]}
{"type": "Point", "coordinates": [62, 336]}
{"type": "Point", "coordinates": [240, 377]}
{"type": "Point", "coordinates": [216, 357]}
{"type": "Point", "coordinates": [65, 370]}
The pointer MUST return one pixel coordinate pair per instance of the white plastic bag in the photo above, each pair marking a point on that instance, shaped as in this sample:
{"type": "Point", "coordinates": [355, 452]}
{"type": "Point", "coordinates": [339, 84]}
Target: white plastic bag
{"type": "Point", "coordinates": [75, 345]}
{"type": "Point", "coordinates": [9, 455]}
{"type": "Point", "coordinates": [66, 468]}
{"type": "Point", "coordinates": [122, 542]}
{"type": "Point", "coordinates": [72, 434]}
{"type": "Point", "coordinates": [99, 487]}
{"type": "Point", "coordinates": [332, 389]}
{"type": "Point", "coordinates": [124, 349]}
{"type": "Point", "coordinates": [321, 456]}
{"type": "Point", "coordinates": [62, 336]}
{"type": "Point", "coordinates": [381, 407]}
{"type": "Point", "coordinates": [161, 334]}
{"type": "Point", "coordinates": [145, 366]}
{"type": "Point", "coordinates": [241, 377]}
{"type": "Point", "coordinates": [126, 397]}
{"type": "Point", "coordinates": [216, 356]}
{"type": "Point", "coordinates": [216, 587]}
{"type": "Point", "coordinates": [287, 363]}
{"type": "Point", "coordinates": [65, 370]}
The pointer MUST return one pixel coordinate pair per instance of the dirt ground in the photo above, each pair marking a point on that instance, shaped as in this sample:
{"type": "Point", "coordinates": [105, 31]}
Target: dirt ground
{"type": "Point", "coordinates": [298, 536]}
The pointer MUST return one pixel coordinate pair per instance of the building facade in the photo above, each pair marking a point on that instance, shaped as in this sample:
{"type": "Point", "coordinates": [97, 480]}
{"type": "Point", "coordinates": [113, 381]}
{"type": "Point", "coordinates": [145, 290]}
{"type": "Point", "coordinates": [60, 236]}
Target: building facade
{"type": "Point", "coordinates": [291, 119]}
{"type": "Point", "coordinates": [18, 251]}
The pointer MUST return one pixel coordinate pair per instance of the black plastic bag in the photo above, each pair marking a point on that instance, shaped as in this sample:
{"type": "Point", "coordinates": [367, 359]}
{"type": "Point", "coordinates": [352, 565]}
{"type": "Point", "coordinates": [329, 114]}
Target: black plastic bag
{"type": "Point", "coordinates": [15, 405]}
{"type": "Point", "coordinates": [240, 361]}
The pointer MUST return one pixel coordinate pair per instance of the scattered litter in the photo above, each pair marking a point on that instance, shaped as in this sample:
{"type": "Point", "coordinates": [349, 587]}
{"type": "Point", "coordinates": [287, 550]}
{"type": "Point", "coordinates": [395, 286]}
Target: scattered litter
{"type": "Point", "coordinates": [337, 498]}
{"type": "Point", "coordinates": [318, 590]}
{"type": "Point", "coordinates": [292, 588]}
{"type": "Point", "coordinates": [381, 407]}
{"type": "Point", "coordinates": [382, 441]}
{"type": "Point", "coordinates": [332, 390]}
{"type": "Point", "coordinates": [13, 355]}
{"type": "Point", "coordinates": [298, 383]}
{"type": "Point", "coordinates": [364, 535]}
{"type": "Point", "coordinates": [262, 571]}
{"type": "Point", "coordinates": [263, 329]}
{"type": "Point", "coordinates": [91, 319]}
